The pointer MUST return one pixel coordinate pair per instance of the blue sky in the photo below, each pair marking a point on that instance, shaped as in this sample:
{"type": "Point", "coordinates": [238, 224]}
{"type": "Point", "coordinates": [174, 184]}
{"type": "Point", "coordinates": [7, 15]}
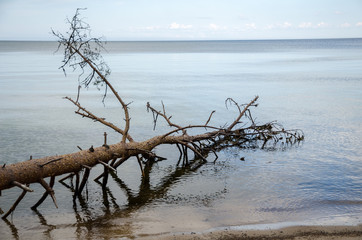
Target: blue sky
{"type": "Point", "coordinates": [185, 19]}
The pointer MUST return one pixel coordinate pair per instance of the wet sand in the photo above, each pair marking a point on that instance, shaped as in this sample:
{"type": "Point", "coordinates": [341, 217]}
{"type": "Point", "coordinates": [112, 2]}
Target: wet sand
{"type": "Point", "coordinates": [297, 232]}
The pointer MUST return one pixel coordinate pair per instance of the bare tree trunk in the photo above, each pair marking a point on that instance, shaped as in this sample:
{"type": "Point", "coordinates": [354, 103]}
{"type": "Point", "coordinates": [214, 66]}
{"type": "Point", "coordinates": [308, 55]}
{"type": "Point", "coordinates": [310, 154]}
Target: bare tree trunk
{"type": "Point", "coordinates": [79, 52]}
{"type": "Point", "coordinates": [32, 171]}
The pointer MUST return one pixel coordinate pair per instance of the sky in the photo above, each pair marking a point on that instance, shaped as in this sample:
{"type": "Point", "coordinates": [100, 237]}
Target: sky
{"type": "Point", "coordinates": [139, 20]}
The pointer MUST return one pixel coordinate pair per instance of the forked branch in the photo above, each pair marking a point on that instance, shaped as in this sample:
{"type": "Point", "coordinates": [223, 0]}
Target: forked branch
{"type": "Point", "coordinates": [81, 51]}
{"type": "Point", "coordinates": [241, 112]}
{"type": "Point", "coordinates": [157, 113]}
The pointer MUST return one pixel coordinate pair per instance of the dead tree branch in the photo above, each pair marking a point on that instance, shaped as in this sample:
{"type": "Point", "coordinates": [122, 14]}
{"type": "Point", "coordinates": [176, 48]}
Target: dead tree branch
{"type": "Point", "coordinates": [46, 193]}
{"type": "Point", "coordinates": [82, 51]}
{"type": "Point", "coordinates": [22, 195]}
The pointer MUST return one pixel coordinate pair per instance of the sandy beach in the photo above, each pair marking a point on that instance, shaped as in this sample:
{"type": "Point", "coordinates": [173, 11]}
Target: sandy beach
{"type": "Point", "coordinates": [296, 232]}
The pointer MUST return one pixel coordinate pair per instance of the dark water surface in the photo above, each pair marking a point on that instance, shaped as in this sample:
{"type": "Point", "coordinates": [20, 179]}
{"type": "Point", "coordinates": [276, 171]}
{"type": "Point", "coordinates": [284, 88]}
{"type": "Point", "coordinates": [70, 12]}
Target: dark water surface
{"type": "Point", "coordinates": [314, 85]}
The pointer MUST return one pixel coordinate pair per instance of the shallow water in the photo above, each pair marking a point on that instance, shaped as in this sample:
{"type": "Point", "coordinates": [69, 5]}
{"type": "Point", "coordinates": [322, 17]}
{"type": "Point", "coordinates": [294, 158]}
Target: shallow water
{"type": "Point", "coordinates": [314, 85]}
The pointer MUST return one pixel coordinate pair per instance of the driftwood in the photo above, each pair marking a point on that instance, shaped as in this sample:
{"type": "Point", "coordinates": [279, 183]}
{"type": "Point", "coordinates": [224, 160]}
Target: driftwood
{"type": "Point", "coordinates": [83, 52]}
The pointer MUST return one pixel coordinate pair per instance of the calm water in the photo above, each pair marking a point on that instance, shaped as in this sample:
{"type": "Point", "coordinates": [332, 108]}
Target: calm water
{"type": "Point", "coordinates": [314, 85]}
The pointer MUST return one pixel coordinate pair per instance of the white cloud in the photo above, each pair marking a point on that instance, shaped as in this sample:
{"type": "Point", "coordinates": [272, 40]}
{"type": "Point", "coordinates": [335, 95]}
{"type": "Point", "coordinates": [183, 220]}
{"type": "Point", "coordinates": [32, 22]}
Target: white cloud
{"type": "Point", "coordinates": [270, 26]}
{"type": "Point", "coordinates": [305, 25]}
{"type": "Point", "coordinates": [322, 24]}
{"type": "Point", "coordinates": [250, 25]}
{"type": "Point", "coordinates": [152, 28]}
{"type": "Point", "coordinates": [283, 25]}
{"type": "Point", "coordinates": [214, 26]}
{"type": "Point", "coordinates": [179, 26]}
{"type": "Point", "coordinates": [286, 25]}
{"type": "Point", "coordinates": [345, 25]}
{"type": "Point", "coordinates": [359, 24]}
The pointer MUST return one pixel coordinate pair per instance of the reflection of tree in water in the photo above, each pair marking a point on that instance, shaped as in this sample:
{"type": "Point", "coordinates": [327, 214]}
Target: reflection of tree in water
{"type": "Point", "coordinates": [145, 195]}
{"type": "Point", "coordinates": [14, 230]}
{"type": "Point", "coordinates": [43, 222]}
{"type": "Point", "coordinates": [89, 222]}
{"type": "Point", "coordinates": [88, 225]}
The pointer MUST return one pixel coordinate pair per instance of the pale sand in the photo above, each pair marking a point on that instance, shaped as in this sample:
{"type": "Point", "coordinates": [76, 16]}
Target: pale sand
{"type": "Point", "coordinates": [295, 233]}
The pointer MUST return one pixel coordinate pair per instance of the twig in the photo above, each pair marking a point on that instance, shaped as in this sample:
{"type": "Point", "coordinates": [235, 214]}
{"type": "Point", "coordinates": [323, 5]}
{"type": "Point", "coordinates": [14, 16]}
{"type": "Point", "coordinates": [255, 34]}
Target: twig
{"type": "Point", "coordinates": [90, 115]}
{"type": "Point", "coordinates": [120, 161]}
{"type": "Point", "coordinates": [191, 126]}
{"type": "Point", "coordinates": [76, 190]}
{"type": "Point", "coordinates": [140, 164]}
{"type": "Point", "coordinates": [68, 176]}
{"type": "Point", "coordinates": [46, 193]}
{"type": "Point", "coordinates": [162, 114]}
{"type": "Point", "coordinates": [194, 150]}
{"type": "Point", "coordinates": [99, 177]}
{"type": "Point", "coordinates": [84, 180]}
{"type": "Point", "coordinates": [22, 186]}
{"type": "Point", "coordinates": [124, 106]}
{"type": "Point", "coordinates": [113, 161]}
{"type": "Point", "coordinates": [51, 161]}
{"type": "Point", "coordinates": [208, 120]}
{"type": "Point", "coordinates": [22, 195]}
{"type": "Point", "coordinates": [49, 190]}
{"type": "Point", "coordinates": [105, 176]}
{"type": "Point", "coordinates": [105, 138]}
{"type": "Point", "coordinates": [107, 166]}
{"type": "Point", "coordinates": [241, 112]}
{"type": "Point", "coordinates": [181, 154]}
{"type": "Point", "coordinates": [78, 94]}
{"type": "Point", "coordinates": [105, 141]}
{"type": "Point", "coordinates": [150, 155]}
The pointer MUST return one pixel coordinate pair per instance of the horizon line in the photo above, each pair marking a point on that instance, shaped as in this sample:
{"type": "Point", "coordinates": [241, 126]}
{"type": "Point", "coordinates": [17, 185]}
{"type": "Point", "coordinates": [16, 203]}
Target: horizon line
{"type": "Point", "coordinates": [189, 40]}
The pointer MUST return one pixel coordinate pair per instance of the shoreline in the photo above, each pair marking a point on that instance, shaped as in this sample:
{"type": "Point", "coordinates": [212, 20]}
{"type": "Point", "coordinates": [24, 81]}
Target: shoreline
{"type": "Point", "coordinates": [346, 232]}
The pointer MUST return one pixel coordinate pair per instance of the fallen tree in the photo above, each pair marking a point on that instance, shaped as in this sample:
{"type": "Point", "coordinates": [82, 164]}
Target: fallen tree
{"type": "Point", "coordinates": [83, 52]}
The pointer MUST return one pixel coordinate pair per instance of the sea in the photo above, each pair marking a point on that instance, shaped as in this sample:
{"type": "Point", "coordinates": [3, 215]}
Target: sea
{"type": "Point", "coordinates": [312, 85]}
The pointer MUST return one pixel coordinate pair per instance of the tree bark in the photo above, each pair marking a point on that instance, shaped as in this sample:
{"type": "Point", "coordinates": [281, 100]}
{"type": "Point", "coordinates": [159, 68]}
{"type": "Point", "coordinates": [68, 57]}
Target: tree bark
{"type": "Point", "coordinates": [34, 170]}
{"type": "Point", "coordinates": [79, 53]}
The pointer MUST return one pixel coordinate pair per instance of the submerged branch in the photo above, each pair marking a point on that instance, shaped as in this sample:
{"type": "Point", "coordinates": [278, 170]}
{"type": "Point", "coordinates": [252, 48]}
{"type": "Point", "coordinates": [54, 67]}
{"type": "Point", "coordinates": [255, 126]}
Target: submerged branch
{"type": "Point", "coordinates": [80, 53]}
